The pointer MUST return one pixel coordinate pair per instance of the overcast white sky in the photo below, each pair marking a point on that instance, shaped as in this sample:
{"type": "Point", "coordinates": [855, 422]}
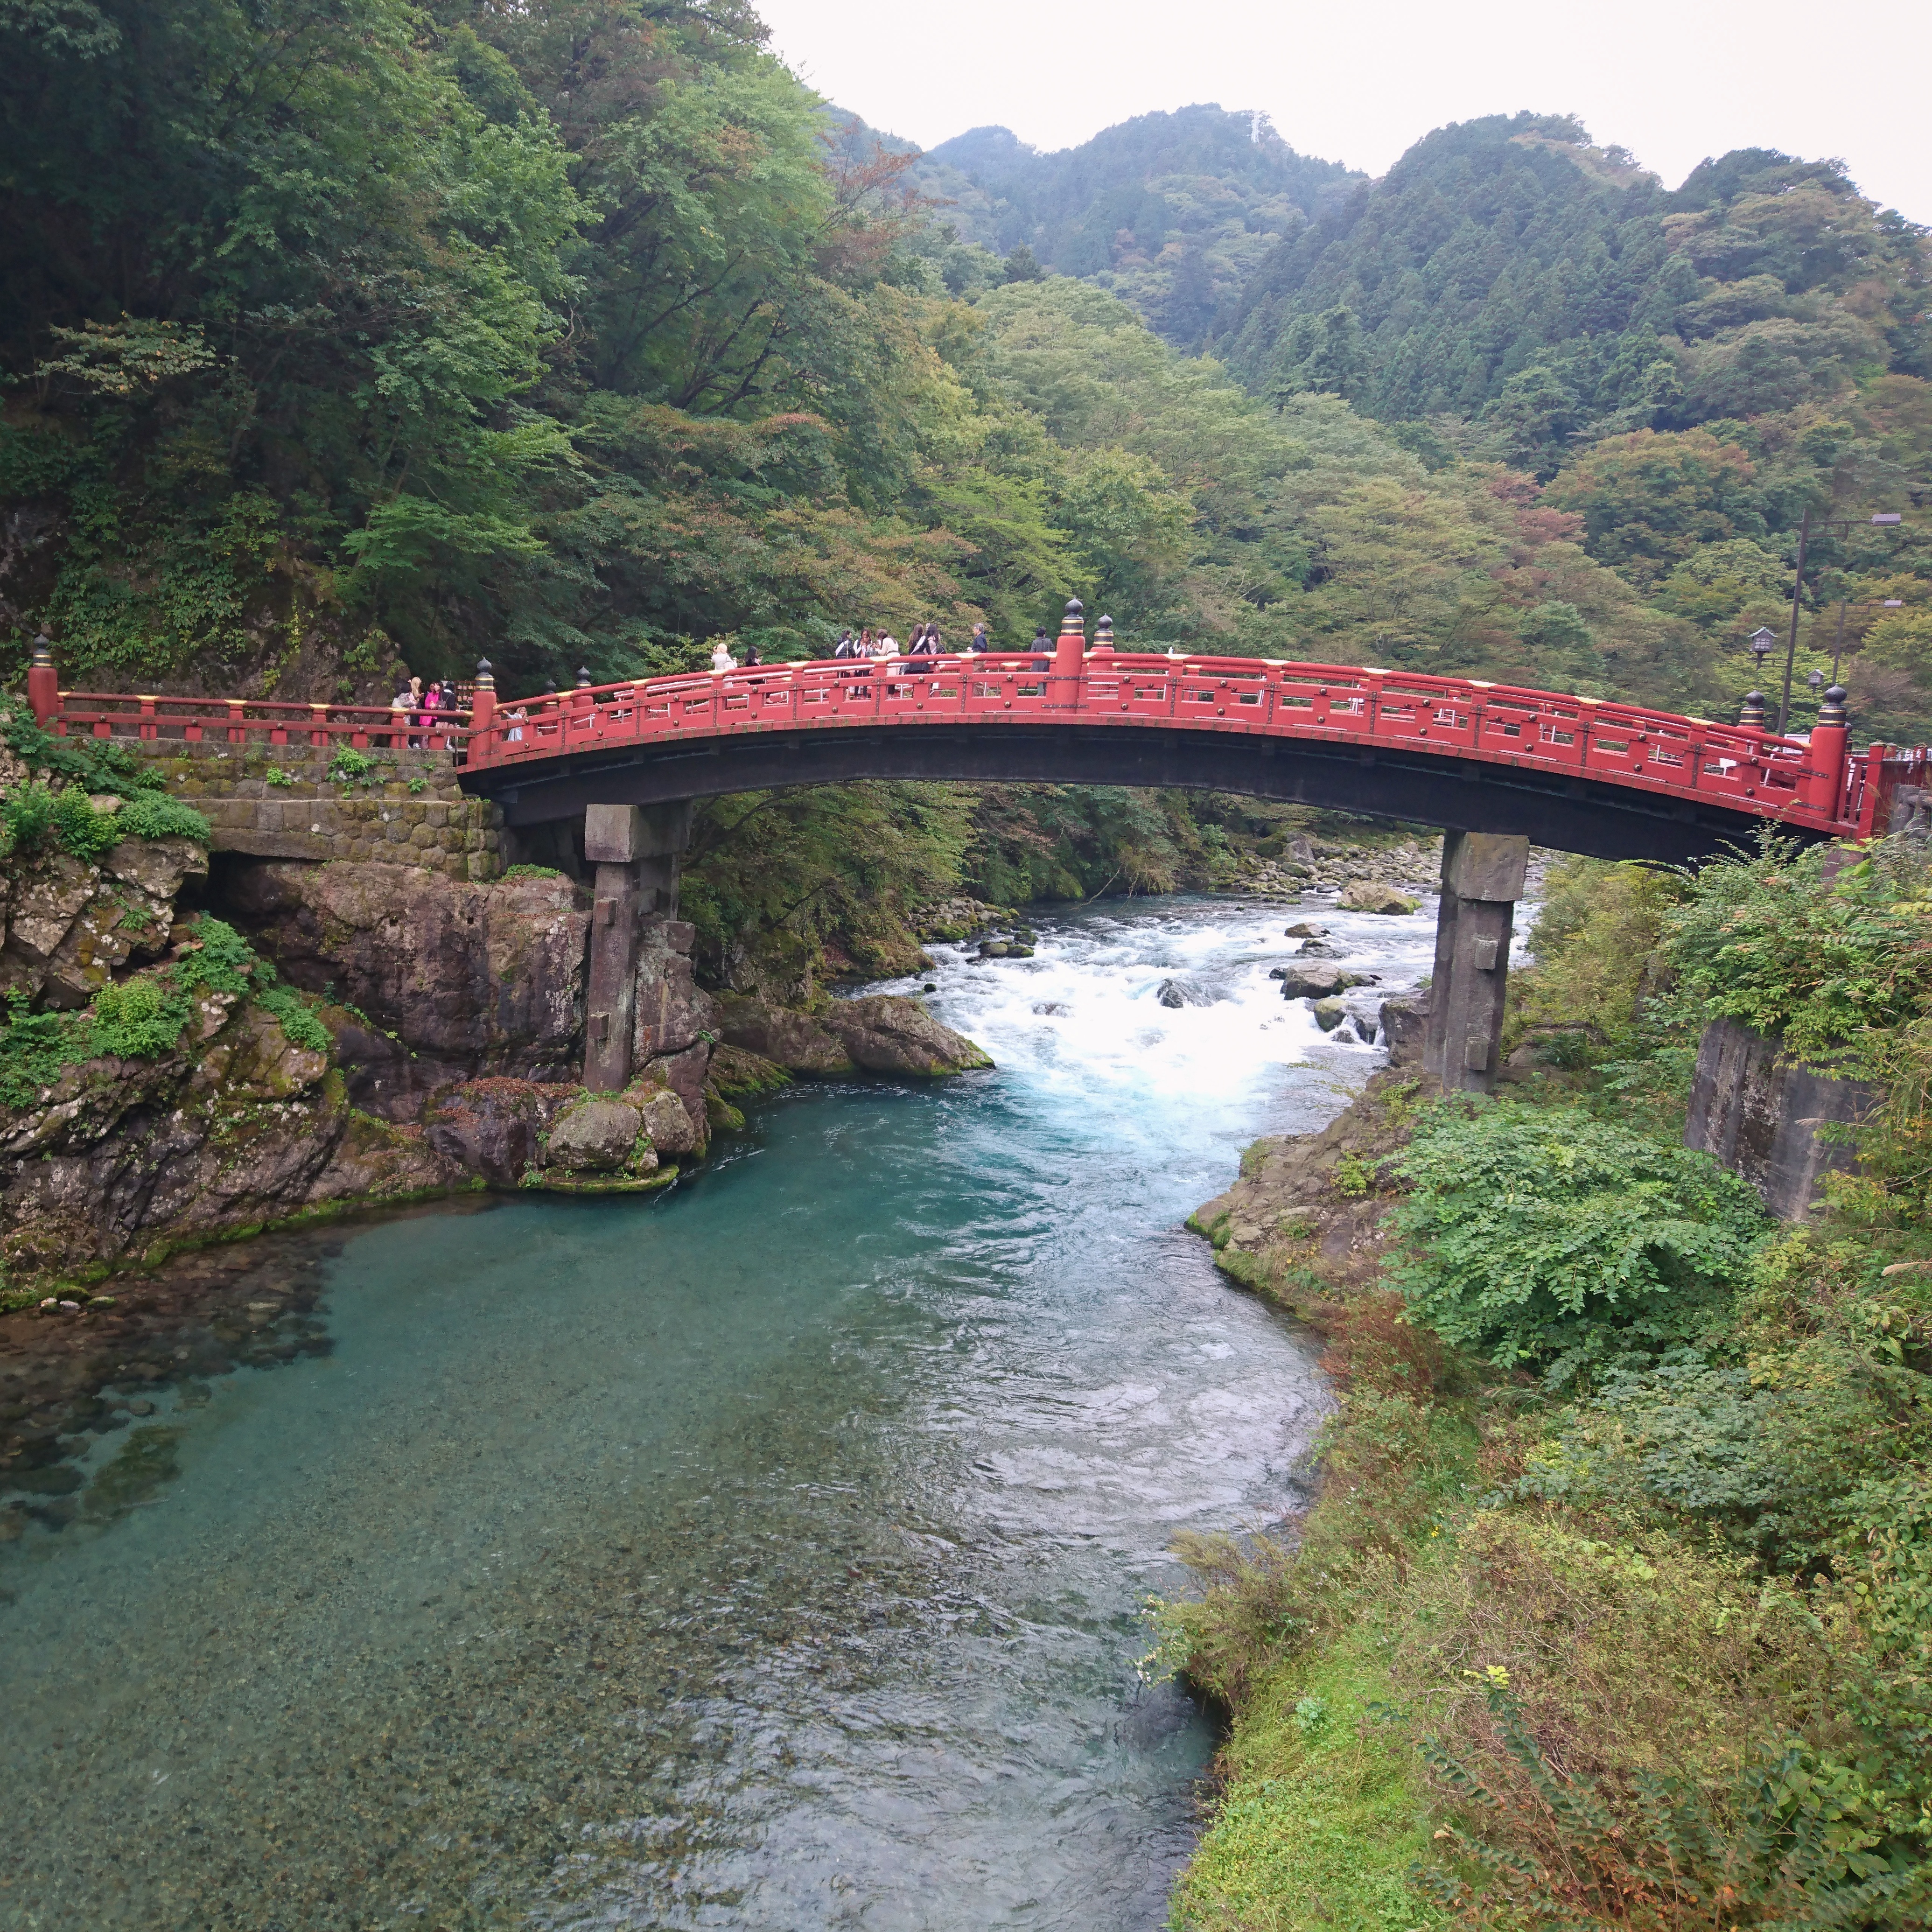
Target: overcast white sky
{"type": "Point", "coordinates": [1672, 80]}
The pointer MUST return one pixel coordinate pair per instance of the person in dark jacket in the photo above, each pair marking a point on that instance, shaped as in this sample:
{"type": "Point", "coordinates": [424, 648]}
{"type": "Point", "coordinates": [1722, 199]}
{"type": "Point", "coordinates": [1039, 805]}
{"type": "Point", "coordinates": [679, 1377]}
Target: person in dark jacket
{"type": "Point", "coordinates": [978, 645]}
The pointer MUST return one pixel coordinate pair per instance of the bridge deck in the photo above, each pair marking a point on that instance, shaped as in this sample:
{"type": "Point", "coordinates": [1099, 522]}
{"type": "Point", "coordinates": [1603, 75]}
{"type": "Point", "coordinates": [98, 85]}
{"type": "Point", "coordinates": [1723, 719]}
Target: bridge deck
{"type": "Point", "coordinates": [1813, 787]}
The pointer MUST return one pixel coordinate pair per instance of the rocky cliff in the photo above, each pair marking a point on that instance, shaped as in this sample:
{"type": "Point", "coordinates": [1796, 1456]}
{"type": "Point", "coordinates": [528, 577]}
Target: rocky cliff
{"type": "Point", "coordinates": [189, 1059]}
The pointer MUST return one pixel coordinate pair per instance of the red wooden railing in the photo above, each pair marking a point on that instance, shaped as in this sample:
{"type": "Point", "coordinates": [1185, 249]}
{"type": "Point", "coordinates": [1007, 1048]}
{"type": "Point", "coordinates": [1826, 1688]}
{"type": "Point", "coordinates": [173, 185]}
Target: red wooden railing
{"type": "Point", "coordinates": [1814, 784]}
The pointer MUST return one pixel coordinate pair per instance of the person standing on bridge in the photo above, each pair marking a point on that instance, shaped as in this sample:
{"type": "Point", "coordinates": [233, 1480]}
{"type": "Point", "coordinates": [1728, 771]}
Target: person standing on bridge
{"type": "Point", "coordinates": [845, 647]}
{"type": "Point", "coordinates": [930, 645]}
{"type": "Point", "coordinates": [979, 646]}
{"type": "Point", "coordinates": [1041, 642]}
{"type": "Point", "coordinates": [721, 659]}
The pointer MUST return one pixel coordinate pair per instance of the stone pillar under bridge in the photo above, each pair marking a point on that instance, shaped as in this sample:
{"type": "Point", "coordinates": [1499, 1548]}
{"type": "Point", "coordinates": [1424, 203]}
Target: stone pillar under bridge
{"type": "Point", "coordinates": [634, 850]}
{"type": "Point", "coordinates": [1482, 879]}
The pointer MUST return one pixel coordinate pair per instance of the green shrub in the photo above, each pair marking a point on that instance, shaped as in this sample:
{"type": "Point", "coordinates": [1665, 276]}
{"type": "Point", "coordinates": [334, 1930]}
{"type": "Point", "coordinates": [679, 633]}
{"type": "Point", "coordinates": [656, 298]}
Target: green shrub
{"type": "Point", "coordinates": [153, 814]}
{"type": "Point", "coordinates": [297, 1020]}
{"type": "Point", "coordinates": [33, 1049]}
{"type": "Point", "coordinates": [94, 764]}
{"type": "Point", "coordinates": [1766, 940]}
{"type": "Point", "coordinates": [532, 872]}
{"type": "Point", "coordinates": [1543, 1236]}
{"type": "Point", "coordinates": [139, 1017]}
{"type": "Point", "coordinates": [34, 811]}
{"type": "Point", "coordinates": [350, 767]}
{"type": "Point", "coordinates": [1795, 1839]}
{"type": "Point", "coordinates": [279, 777]}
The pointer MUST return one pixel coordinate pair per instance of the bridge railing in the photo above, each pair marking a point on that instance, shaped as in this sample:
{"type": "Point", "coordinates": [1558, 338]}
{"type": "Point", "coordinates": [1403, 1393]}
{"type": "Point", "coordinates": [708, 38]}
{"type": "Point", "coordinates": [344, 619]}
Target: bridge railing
{"type": "Point", "coordinates": [243, 720]}
{"type": "Point", "coordinates": [1755, 770]}
{"type": "Point", "coordinates": [1744, 766]}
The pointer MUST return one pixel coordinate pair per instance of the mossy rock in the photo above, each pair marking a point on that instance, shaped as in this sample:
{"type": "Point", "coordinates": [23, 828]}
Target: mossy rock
{"type": "Point", "coordinates": [557, 1181]}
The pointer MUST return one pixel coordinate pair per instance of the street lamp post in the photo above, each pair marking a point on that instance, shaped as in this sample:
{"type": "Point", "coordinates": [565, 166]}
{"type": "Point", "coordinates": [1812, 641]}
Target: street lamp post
{"type": "Point", "coordinates": [1797, 591]}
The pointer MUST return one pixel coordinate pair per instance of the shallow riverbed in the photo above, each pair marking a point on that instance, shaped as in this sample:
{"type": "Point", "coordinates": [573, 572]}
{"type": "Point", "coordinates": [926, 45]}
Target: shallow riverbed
{"type": "Point", "coordinates": [768, 1554]}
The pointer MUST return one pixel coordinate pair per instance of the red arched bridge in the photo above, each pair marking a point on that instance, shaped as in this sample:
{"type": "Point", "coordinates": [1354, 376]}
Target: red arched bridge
{"type": "Point", "coordinates": [1616, 780]}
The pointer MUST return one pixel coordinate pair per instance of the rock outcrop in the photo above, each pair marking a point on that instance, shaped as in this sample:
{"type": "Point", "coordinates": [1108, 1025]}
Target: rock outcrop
{"type": "Point", "coordinates": [881, 1033]}
{"type": "Point", "coordinates": [476, 980]}
{"type": "Point", "coordinates": [235, 1127]}
{"type": "Point", "coordinates": [886, 1034]}
{"type": "Point", "coordinates": [69, 926]}
{"type": "Point", "coordinates": [1304, 1221]}
{"type": "Point", "coordinates": [797, 1041]}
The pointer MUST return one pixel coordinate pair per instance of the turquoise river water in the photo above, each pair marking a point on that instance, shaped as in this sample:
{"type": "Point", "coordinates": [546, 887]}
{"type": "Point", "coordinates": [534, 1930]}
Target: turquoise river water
{"type": "Point", "coordinates": [770, 1554]}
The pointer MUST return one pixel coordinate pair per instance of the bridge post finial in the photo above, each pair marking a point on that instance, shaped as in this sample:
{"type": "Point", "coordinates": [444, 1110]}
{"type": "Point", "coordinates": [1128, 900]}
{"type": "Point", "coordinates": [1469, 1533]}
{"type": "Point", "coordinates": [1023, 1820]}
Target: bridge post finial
{"type": "Point", "coordinates": [1750, 713]}
{"type": "Point", "coordinates": [483, 699]}
{"type": "Point", "coordinates": [583, 677]}
{"type": "Point", "coordinates": [1103, 635]}
{"type": "Point", "coordinates": [43, 681]}
{"type": "Point", "coordinates": [1830, 746]}
{"type": "Point", "coordinates": [1067, 653]}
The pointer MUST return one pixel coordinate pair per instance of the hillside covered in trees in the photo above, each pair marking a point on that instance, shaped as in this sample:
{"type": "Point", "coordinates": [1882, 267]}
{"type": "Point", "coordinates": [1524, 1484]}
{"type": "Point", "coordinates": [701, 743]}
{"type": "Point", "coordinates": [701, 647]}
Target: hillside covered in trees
{"type": "Point", "coordinates": [346, 336]}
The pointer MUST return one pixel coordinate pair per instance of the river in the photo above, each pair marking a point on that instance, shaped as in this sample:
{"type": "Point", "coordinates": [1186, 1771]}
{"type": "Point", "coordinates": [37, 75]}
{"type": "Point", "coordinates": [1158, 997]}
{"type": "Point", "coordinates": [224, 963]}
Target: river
{"type": "Point", "coordinates": [770, 1554]}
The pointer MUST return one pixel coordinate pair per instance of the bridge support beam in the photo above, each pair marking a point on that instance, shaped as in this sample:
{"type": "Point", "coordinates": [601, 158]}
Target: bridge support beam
{"type": "Point", "coordinates": [635, 850]}
{"type": "Point", "coordinates": [1482, 879]}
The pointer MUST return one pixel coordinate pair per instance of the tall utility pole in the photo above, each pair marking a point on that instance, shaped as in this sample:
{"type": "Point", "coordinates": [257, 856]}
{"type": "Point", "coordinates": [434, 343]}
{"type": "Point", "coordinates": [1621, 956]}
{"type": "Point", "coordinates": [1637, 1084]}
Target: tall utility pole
{"type": "Point", "coordinates": [1798, 593]}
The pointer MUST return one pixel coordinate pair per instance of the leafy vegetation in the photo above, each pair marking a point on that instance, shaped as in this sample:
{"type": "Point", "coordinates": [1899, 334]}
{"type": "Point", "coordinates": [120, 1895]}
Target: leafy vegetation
{"type": "Point", "coordinates": [1551, 1238]}
{"type": "Point", "coordinates": [582, 331]}
{"type": "Point", "coordinates": [1622, 1571]}
{"type": "Point", "coordinates": [143, 1017]}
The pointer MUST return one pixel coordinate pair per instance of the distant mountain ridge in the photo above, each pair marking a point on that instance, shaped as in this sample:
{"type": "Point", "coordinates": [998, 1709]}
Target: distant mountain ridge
{"type": "Point", "coordinates": [1174, 212]}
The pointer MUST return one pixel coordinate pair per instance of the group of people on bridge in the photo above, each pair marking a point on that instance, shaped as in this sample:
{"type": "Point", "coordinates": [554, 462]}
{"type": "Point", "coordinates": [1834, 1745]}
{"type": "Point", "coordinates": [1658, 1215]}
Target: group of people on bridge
{"type": "Point", "coordinates": [873, 646]}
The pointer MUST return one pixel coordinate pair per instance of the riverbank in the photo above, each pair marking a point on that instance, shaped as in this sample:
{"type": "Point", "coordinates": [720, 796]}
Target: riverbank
{"type": "Point", "coordinates": [1623, 1623]}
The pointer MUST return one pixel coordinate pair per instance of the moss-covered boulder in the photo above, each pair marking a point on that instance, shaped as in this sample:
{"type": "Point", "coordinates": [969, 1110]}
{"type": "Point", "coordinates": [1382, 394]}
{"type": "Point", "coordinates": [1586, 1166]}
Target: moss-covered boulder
{"type": "Point", "coordinates": [597, 1137]}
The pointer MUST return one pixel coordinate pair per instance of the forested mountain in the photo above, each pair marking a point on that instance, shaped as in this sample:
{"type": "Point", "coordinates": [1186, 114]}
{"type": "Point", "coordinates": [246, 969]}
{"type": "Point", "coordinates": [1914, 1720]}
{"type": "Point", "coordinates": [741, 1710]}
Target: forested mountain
{"type": "Point", "coordinates": [581, 332]}
{"type": "Point", "coordinates": [1174, 212]}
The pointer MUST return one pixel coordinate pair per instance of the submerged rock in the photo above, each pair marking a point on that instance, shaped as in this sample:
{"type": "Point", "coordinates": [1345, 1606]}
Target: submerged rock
{"type": "Point", "coordinates": [1177, 993]}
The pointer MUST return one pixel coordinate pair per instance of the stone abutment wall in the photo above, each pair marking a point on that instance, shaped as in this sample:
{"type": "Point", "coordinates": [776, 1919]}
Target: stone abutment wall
{"type": "Point", "coordinates": [281, 802]}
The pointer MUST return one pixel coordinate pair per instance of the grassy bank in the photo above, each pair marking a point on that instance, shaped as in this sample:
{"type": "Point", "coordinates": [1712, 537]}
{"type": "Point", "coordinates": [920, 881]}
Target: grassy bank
{"type": "Point", "coordinates": [1613, 1607]}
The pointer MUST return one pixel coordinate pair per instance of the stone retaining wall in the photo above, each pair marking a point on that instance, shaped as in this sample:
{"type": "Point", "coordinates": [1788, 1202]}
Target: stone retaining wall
{"type": "Point", "coordinates": [408, 811]}
{"type": "Point", "coordinates": [1758, 1113]}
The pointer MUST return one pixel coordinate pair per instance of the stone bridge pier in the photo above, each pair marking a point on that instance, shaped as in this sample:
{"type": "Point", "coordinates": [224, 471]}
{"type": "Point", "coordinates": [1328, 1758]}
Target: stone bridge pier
{"type": "Point", "coordinates": [635, 850]}
{"type": "Point", "coordinates": [1482, 879]}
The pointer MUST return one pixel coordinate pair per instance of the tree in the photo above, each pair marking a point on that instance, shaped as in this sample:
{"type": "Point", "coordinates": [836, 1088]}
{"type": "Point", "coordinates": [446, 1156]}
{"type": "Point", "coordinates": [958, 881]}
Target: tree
{"type": "Point", "coordinates": [1649, 498]}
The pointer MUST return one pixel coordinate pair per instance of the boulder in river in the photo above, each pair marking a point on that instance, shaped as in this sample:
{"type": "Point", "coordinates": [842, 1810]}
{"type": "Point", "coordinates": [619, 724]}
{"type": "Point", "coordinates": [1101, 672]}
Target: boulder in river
{"type": "Point", "coordinates": [1305, 929]}
{"type": "Point", "coordinates": [598, 1137]}
{"type": "Point", "coordinates": [1370, 896]}
{"type": "Point", "coordinates": [666, 1120]}
{"type": "Point", "coordinates": [1183, 993]}
{"type": "Point", "coordinates": [885, 1034]}
{"type": "Point", "coordinates": [797, 1041]}
{"type": "Point", "coordinates": [1330, 1013]}
{"type": "Point", "coordinates": [1317, 983]}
